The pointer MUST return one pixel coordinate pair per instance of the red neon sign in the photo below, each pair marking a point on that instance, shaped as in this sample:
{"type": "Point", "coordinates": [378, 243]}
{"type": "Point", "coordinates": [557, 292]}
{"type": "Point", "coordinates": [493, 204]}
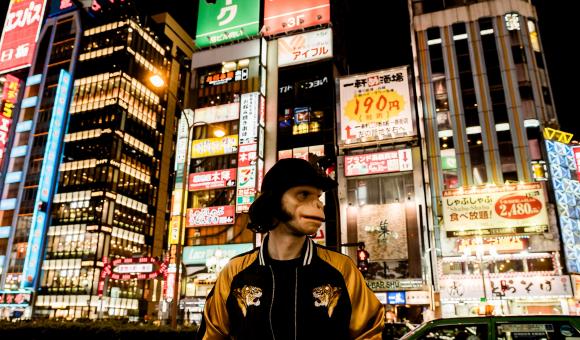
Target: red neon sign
{"type": "Point", "coordinates": [283, 15]}
{"type": "Point", "coordinates": [212, 179]}
{"type": "Point", "coordinates": [9, 95]}
{"type": "Point", "coordinates": [20, 32]}
{"type": "Point", "coordinates": [109, 270]}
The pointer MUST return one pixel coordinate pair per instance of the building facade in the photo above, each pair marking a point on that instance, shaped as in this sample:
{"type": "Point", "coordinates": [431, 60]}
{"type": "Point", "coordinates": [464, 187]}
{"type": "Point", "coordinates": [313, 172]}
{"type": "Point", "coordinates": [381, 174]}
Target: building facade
{"type": "Point", "coordinates": [485, 99]}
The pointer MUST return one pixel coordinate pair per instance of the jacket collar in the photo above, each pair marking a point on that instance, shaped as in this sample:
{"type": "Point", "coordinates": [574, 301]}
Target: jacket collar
{"type": "Point", "coordinates": [308, 250]}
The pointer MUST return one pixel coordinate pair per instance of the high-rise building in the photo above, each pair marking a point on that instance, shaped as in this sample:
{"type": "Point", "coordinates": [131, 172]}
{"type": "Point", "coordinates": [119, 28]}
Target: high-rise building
{"type": "Point", "coordinates": [106, 178]}
{"type": "Point", "coordinates": [485, 98]}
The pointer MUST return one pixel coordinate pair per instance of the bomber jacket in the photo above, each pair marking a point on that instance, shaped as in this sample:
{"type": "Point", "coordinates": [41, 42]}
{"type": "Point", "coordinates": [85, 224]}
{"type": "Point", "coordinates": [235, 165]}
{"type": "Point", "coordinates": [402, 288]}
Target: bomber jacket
{"type": "Point", "coordinates": [321, 295]}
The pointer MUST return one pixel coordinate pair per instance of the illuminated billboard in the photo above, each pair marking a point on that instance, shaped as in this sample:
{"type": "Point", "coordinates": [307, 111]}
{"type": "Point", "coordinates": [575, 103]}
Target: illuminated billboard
{"type": "Point", "coordinates": [218, 113]}
{"type": "Point", "coordinates": [214, 146]}
{"type": "Point", "coordinates": [223, 21]}
{"type": "Point", "coordinates": [495, 210]}
{"type": "Point", "coordinates": [375, 106]}
{"type": "Point", "coordinates": [305, 47]}
{"type": "Point", "coordinates": [198, 255]}
{"type": "Point", "coordinates": [199, 217]}
{"type": "Point", "coordinates": [282, 15]}
{"type": "Point", "coordinates": [212, 179]}
{"type": "Point", "coordinates": [48, 174]}
{"type": "Point", "coordinates": [21, 27]}
{"type": "Point", "coordinates": [378, 163]}
{"type": "Point", "coordinates": [247, 155]}
{"type": "Point", "coordinates": [9, 96]}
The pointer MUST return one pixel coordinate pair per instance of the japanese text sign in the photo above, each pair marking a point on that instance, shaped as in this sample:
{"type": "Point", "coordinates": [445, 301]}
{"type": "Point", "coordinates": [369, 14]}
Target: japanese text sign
{"type": "Point", "coordinates": [214, 146]}
{"type": "Point", "coordinates": [283, 15]}
{"type": "Point", "coordinates": [378, 163]}
{"type": "Point", "coordinates": [20, 32]}
{"type": "Point", "coordinates": [9, 96]}
{"type": "Point", "coordinates": [226, 20]}
{"type": "Point", "coordinates": [469, 246]}
{"type": "Point", "coordinates": [209, 216]}
{"type": "Point", "coordinates": [375, 106]}
{"type": "Point", "coordinates": [511, 208]}
{"type": "Point", "coordinates": [518, 286]}
{"type": "Point", "coordinates": [212, 179]}
{"type": "Point", "coordinates": [218, 113]}
{"type": "Point", "coordinates": [249, 109]}
{"type": "Point", "coordinates": [198, 255]}
{"type": "Point", "coordinates": [305, 47]}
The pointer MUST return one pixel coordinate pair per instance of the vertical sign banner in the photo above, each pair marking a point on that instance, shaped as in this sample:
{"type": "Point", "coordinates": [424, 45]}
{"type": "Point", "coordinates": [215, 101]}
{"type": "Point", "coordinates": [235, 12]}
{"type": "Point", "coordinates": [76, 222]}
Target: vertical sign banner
{"type": "Point", "coordinates": [375, 106]}
{"type": "Point", "coordinates": [223, 21]}
{"type": "Point", "coordinates": [305, 47]}
{"type": "Point", "coordinates": [247, 155]}
{"type": "Point", "coordinates": [21, 27]}
{"type": "Point", "coordinates": [282, 15]}
{"type": "Point", "coordinates": [48, 172]}
{"type": "Point", "coordinates": [576, 151]}
{"type": "Point", "coordinates": [9, 96]}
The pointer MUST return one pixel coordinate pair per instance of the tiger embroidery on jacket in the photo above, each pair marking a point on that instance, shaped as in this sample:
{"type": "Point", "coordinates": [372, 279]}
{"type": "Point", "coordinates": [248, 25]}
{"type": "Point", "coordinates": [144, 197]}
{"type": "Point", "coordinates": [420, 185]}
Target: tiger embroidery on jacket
{"type": "Point", "coordinates": [247, 296]}
{"type": "Point", "coordinates": [326, 296]}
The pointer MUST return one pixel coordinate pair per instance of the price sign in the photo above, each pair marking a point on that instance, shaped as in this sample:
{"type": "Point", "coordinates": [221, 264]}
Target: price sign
{"type": "Point", "coordinates": [375, 107]}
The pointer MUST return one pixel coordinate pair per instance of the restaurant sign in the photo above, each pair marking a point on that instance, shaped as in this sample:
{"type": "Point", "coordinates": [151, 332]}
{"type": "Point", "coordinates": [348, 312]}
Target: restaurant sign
{"type": "Point", "coordinates": [209, 216]}
{"type": "Point", "coordinates": [378, 163]}
{"type": "Point", "coordinates": [489, 210]}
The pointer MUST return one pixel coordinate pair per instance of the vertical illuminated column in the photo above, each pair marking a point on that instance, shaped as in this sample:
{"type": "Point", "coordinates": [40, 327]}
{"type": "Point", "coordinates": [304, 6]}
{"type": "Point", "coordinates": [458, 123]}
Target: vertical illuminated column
{"type": "Point", "coordinates": [48, 174]}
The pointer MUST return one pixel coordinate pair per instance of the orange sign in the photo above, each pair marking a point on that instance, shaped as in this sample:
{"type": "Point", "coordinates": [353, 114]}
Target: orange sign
{"type": "Point", "coordinates": [498, 244]}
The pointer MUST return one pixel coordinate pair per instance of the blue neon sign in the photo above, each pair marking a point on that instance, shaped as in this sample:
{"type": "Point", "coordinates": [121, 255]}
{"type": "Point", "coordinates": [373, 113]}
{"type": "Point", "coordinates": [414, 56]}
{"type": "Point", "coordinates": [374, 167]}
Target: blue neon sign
{"type": "Point", "coordinates": [48, 172]}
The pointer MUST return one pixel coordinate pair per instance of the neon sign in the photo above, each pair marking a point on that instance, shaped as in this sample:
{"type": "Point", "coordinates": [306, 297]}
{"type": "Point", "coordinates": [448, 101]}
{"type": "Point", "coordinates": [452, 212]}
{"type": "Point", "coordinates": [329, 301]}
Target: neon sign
{"type": "Point", "coordinates": [9, 94]}
{"type": "Point", "coordinates": [48, 172]}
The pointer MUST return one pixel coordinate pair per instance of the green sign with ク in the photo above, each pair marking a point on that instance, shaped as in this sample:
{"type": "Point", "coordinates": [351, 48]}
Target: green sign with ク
{"type": "Point", "coordinates": [226, 20]}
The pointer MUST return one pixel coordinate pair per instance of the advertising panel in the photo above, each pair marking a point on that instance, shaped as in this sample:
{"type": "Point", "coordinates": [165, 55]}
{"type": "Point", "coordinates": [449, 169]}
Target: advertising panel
{"type": "Point", "coordinates": [563, 165]}
{"type": "Point", "coordinates": [282, 16]}
{"type": "Point", "coordinates": [198, 255]}
{"type": "Point", "coordinates": [576, 151]}
{"type": "Point", "coordinates": [228, 20]}
{"type": "Point", "coordinates": [305, 47]}
{"type": "Point", "coordinates": [396, 298]}
{"type": "Point", "coordinates": [9, 96]}
{"type": "Point", "coordinates": [214, 146]}
{"type": "Point", "coordinates": [15, 298]}
{"type": "Point", "coordinates": [383, 229]}
{"type": "Point", "coordinates": [247, 155]}
{"type": "Point", "coordinates": [19, 34]}
{"type": "Point", "coordinates": [501, 244]}
{"type": "Point", "coordinates": [488, 210]}
{"type": "Point", "coordinates": [218, 113]}
{"type": "Point", "coordinates": [378, 163]}
{"type": "Point", "coordinates": [48, 172]}
{"type": "Point", "coordinates": [212, 179]}
{"type": "Point", "coordinates": [515, 286]}
{"type": "Point", "coordinates": [375, 106]}
{"type": "Point", "coordinates": [220, 215]}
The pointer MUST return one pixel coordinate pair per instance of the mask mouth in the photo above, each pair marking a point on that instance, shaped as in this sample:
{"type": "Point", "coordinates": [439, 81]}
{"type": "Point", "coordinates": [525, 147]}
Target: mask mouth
{"type": "Point", "coordinates": [313, 217]}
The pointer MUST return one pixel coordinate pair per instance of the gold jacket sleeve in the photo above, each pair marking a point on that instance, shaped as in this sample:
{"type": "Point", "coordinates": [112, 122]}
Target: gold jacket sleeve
{"type": "Point", "coordinates": [367, 318]}
{"type": "Point", "coordinates": [215, 314]}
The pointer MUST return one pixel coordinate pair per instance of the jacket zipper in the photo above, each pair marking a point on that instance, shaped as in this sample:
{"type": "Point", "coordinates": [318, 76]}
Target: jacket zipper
{"type": "Point", "coordinates": [272, 302]}
{"type": "Point", "coordinates": [296, 305]}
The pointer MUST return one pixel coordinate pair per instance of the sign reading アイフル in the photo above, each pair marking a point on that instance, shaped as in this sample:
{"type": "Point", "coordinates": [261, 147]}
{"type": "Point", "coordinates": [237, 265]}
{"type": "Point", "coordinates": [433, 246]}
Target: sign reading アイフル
{"type": "Point", "coordinates": [376, 106]}
{"type": "Point", "coordinates": [495, 210]}
{"type": "Point", "coordinates": [223, 21]}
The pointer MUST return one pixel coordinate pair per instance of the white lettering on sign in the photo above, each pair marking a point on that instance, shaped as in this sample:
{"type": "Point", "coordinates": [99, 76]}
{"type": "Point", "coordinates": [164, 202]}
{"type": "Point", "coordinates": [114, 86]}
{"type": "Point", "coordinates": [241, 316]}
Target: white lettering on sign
{"type": "Point", "coordinates": [23, 17]}
{"type": "Point", "coordinates": [134, 268]}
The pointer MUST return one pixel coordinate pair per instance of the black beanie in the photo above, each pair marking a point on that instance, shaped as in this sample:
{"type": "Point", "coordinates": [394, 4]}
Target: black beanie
{"type": "Point", "coordinates": [285, 174]}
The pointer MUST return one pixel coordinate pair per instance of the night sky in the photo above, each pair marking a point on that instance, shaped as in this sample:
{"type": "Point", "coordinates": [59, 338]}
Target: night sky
{"type": "Point", "coordinates": [384, 26]}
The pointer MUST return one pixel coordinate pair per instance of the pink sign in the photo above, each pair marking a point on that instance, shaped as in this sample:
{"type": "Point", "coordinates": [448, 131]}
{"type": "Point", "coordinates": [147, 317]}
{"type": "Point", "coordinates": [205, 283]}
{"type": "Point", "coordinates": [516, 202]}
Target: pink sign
{"type": "Point", "coordinates": [212, 179]}
{"type": "Point", "coordinates": [378, 163]}
{"type": "Point", "coordinates": [20, 32]}
{"type": "Point", "coordinates": [9, 94]}
{"type": "Point", "coordinates": [209, 216]}
{"type": "Point", "coordinates": [576, 151]}
{"type": "Point", "coordinates": [283, 16]}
